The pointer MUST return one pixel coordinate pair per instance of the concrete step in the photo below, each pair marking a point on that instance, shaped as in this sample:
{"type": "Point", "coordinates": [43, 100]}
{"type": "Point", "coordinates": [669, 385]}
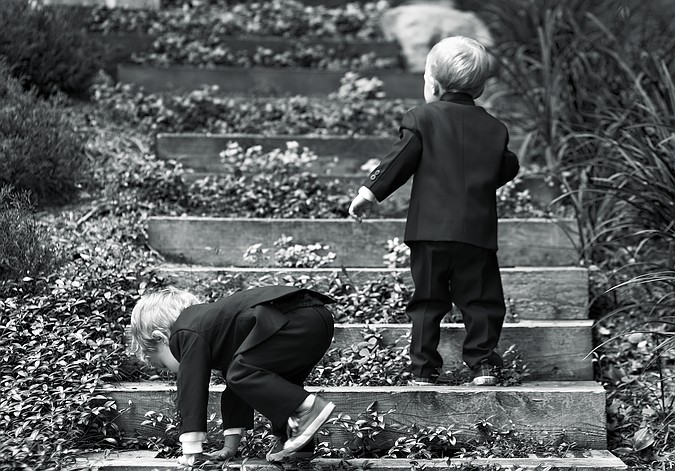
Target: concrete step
{"type": "Point", "coordinates": [587, 460]}
{"type": "Point", "coordinates": [535, 293]}
{"type": "Point", "coordinates": [261, 80]}
{"type": "Point", "coordinates": [534, 410]}
{"type": "Point", "coordinates": [223, 241]}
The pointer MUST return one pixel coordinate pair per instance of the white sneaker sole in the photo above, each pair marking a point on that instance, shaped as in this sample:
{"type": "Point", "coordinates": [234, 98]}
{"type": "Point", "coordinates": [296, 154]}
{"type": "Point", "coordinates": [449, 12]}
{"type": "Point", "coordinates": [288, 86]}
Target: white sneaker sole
{"type": "Point", "coordinates": [484, 381]}
{"type": "Point", "coordinates": [298, 442]}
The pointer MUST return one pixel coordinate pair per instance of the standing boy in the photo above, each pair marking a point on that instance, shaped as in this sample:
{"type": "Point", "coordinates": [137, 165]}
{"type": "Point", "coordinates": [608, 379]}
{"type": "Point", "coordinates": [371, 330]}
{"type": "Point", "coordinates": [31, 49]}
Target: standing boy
{"type": "Point", "coordinates": [264, 340]}
{"type": "Point", "coordinates": [458, 154]}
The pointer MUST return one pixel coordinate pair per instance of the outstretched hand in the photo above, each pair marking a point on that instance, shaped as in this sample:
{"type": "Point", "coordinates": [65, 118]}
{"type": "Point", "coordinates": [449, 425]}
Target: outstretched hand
{"type": "Point", "coordinates": [224, 453]}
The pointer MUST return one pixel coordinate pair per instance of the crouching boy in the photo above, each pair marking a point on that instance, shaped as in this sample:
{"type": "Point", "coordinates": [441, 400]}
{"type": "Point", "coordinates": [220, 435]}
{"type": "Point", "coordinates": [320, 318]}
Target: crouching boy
{"type": "Point", "coordinates": [264, 340]}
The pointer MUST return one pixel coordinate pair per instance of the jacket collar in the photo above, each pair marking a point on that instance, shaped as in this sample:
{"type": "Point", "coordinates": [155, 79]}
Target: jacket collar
{"type": "Point", "coordinates": [458, 97]}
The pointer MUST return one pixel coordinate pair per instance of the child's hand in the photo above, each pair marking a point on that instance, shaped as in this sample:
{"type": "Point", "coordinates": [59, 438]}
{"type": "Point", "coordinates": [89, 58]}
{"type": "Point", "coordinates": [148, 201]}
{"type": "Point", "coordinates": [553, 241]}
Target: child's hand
{"type": "Point", "coordinates": [360, 207]}
{"type": "Point", "coordinates": [187, 461]}
{"type": "Point", "coordinates": [230, 446]}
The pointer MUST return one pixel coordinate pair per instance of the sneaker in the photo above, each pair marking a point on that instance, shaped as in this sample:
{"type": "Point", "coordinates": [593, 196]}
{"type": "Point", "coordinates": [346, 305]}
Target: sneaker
{"type": "Point", "coordinates": [482, 375]}
{"type": "Point", "coordinates": [277, 454]}
{"type": "Point", "coordinates": [302, 427]}
{"type": "Point", "coordinates": [433, 380]}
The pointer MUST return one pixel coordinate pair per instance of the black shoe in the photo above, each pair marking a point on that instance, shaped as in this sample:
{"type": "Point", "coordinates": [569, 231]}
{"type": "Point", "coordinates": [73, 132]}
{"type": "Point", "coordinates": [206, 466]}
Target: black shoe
{"type": "Point", "coordinates": [483, 375]}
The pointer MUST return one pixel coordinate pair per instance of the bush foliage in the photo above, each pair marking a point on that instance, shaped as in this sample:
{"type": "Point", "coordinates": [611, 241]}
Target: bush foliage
{"type": "Point", "coordinates": [39, 150]}
{"type": "Point", "coordinates": [25, 248]}
{"type": "Point", "coordinates": [45, 49]}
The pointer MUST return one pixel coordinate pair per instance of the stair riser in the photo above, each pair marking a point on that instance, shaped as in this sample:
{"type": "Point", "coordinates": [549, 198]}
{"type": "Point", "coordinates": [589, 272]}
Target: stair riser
{"type": "Point", "coordinates": [336, 155]}
{"type": "Point", "coordinates": [131, 4]}
{"type": "Point", "coordinates": [533, 293]}
{"type": "Point", "coordinates": [223, 242]}
{"type": "Point", "coordinates": [553, 351]}
{"type": "Point", "coordinates": [578, 412]}
{"type": "Point", "coordinates": [263, 81]}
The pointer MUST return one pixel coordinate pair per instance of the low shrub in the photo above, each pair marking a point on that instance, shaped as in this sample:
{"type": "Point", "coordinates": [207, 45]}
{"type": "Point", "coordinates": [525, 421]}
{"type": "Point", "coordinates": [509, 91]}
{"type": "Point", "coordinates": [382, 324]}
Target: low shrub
{"type": "Point", "coordinates": [25, 247]}
{"type": "Point", "coordinates": [172, 49]}
{"type": "Point", "coordinates": [46, 49]}
{"type": "Point", "coordinates": [39, 150]}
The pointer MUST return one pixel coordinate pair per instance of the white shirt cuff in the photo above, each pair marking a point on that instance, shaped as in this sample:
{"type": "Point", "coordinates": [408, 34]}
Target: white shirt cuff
{"type": "Point", "coordinates": [233, 431]}
{"type": "Point", "coordinates": [192, 442]}
{"type": "Point", "coordinates": [367, 194]}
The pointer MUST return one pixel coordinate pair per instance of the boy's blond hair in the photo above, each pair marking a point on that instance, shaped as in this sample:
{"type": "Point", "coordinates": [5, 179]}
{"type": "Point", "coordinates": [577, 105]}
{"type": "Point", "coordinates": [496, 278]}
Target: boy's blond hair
{"type": "Point", "coordinates": [460, 64]}
{"type": "Point", "coordinates": [153, 316]}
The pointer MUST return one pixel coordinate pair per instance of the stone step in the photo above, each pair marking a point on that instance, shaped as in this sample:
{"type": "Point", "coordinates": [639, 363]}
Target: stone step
{"type": "Point", "coordinates": [587, 460]}
{"type": "Point", "coordinates": [535, 293]}
{"type": "Point", "coordinates": [262, 80]}
{"type": "Point", "coordinates": [535, 410]}
{"type": "Point", "coordinates": [551, 350]}
{"type": "Point", "coordinates": [223, 241]}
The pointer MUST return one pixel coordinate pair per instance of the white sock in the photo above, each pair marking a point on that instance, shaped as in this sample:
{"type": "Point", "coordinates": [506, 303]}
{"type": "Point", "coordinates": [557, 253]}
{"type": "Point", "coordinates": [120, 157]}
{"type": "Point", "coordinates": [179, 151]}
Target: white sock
{"type": "Point", "coordinates": [306, 405]}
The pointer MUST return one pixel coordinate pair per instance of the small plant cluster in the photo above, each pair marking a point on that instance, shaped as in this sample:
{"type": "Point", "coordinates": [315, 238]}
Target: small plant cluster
{"type": "Point", "coordinates": [180, 50]}
{"type": "Point", "coordinates": [46, 49]}
{"type": "Point", "coordinates": [273, 184]}
{"type": "Point", "coordinates": [208, 110]}
{"type": "Point", "coordinates": [40, 152]}
{"type": "Point", "coordinates": [277, 18]}
{"type": "Point", "coordinates": [291, 255]}
{"type": "Point", "coordinates": [26, 249]}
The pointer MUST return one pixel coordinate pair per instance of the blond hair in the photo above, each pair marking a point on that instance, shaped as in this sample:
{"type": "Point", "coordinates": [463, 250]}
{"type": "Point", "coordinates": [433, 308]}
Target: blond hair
{"type": "Point", "coordinates": [153, 316]}
{"type": "Point", "coordinates": [460, 64]}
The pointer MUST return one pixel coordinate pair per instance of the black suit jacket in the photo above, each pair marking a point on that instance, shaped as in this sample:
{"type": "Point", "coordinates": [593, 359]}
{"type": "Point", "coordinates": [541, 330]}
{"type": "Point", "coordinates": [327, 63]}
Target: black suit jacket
{"type": "Point", "coordinates": [208, 336]}
{"type": "Point", "coordinates": [458, 154]}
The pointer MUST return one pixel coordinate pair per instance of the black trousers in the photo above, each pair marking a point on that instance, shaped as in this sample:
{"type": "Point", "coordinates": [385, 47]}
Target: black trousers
{"type": "Point", "coordinates": [468, 276]}
{"type": "Point", "coordinates": [269, 377]}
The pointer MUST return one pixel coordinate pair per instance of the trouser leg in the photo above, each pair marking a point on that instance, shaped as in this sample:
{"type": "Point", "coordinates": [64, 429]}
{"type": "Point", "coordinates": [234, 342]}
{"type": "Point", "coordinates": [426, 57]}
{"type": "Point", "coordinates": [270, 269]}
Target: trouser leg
{"type": "Point", "coordinates": [430, 266]}
{"type": "Point", "coordinates": [269, 376]}
{"type": "Point", "coordinates": [476, 289]}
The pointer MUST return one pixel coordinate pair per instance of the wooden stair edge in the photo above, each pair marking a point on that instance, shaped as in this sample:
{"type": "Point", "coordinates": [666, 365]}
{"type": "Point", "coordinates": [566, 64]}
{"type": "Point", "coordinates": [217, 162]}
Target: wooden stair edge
{"type": "Point", "coordinates": [527, 386]}
{"type": "Point", "coordinates": [591, 460]}
{"type": "Point", "coordinates": [169, 267]}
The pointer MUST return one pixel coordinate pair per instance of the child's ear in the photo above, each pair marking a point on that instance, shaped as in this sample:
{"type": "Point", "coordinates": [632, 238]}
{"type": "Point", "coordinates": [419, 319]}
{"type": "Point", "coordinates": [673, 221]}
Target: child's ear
{"type": "Point", "coordinates": [160, 337]}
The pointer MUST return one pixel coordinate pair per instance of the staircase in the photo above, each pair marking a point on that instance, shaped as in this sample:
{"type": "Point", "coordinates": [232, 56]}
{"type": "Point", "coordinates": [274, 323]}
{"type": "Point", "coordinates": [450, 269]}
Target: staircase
{"type": "Point", "coordinates": [541, 280]}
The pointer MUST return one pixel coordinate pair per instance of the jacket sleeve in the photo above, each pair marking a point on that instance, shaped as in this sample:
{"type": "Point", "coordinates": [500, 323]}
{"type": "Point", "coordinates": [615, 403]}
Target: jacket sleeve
{"type": "Point", "coordinates": [194, 375]}
{"type": "Point", "coordinates": [236, 413]}
{"type": "Point", "coordinates": [510, 166]}
{"type": "Point", "coordinates": [400, 163]}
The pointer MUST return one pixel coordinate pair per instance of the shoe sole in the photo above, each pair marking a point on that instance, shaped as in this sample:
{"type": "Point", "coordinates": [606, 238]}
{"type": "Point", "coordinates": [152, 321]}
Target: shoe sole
{"type": "Point", "coordinates": [485, 381]}
{"type": "Point", "coordinates": [279, 456]}
{"type": "Point", "coordinates": [292, 445]}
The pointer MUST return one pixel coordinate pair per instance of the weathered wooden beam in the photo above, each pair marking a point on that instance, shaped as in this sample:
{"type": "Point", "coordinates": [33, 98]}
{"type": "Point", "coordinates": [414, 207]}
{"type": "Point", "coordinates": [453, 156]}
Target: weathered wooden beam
{"type": "Point", "coordinates": [223, 241]}
{"type": "Point", "coordinates": [339, 154]}
{"type": "Point", "coordinates": [262, 80]}
{"type": "Point", "coordinates": [586, 460]}
{"type": "Point", "coordinates": [575, 409]}
{"type": "Point", "coordinates": [533, 292]}
{"type": "Point", "coordinates": [131, 4]}
{"type": "Point", "coordinates": [551, 350]}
